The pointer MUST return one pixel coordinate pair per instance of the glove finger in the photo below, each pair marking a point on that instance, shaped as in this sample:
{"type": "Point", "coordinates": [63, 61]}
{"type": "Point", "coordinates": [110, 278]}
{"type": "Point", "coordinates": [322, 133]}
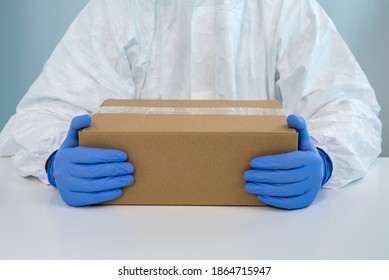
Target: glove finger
{"type": "Point", "coordinates": [82, 199]}
{"type": "Point", "coordinates": [297, 122]}
{"type": "Point", "coordinates": [296, 159]}
{"type": "Point", "coordinates": [285, 190]}
{"type": "Point", "coordinates": [77, 123]}
{"type": "Point", "coordinates": [84, 185]}
{"type": "Point", "coordinates": [95, 155]}
{"type": "Point", "coordinates": [292, 202]}
{"type": "Point", "coordinates": [277, 176]}
{"type": "Point", "coordinates": [101, 170]}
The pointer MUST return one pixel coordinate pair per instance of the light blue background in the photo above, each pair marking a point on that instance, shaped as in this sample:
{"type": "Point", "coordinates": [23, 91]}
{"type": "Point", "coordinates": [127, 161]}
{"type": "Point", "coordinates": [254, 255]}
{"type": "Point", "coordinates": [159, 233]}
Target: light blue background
{"type": "Point", "coordinates": [29, 31]}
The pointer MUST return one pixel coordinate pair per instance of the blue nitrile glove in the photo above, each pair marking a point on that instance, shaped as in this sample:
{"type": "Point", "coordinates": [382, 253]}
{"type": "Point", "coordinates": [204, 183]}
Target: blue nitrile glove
{"type": "Point", "coordinates": [86, 176]}
{"type": "Point", "coordinates": [291, 180]}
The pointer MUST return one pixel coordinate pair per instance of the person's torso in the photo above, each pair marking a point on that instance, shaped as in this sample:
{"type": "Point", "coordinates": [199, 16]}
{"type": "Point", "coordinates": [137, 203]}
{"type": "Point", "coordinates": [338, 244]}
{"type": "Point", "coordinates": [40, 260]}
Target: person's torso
{"type": "Point", "coordinates": [209, 49]}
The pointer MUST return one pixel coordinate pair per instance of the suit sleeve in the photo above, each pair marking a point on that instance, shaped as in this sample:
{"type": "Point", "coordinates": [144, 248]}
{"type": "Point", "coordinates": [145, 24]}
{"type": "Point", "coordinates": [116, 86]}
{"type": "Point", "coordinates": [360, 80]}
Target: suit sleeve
{"type": "Point", "coordinates": [319, 79]}
{"type": "Point", "coordinates": [88, 66]}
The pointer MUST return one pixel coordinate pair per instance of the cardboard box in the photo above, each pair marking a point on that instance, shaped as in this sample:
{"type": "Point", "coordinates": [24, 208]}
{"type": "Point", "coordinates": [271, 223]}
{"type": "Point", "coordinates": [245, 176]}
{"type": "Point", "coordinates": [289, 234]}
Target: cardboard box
{"type": "Point", "coordinates": [190, 152]}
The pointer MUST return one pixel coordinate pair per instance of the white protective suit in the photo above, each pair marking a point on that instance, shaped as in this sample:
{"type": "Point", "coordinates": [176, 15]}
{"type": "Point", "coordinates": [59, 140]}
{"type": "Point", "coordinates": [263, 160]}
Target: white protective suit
{"type": "Point", "coordinates": [202, 49]}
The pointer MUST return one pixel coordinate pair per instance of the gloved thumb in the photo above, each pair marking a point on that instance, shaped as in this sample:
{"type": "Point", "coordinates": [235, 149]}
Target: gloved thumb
{"type": "Point", "coordinates": [297, 122]}
{"type": "Point", "coordinates": [78, 123]}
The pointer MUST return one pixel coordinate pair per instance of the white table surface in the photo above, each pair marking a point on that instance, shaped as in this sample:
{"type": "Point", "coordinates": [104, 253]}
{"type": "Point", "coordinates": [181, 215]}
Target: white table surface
{"type": "Point", "coordinates": [351, 223]}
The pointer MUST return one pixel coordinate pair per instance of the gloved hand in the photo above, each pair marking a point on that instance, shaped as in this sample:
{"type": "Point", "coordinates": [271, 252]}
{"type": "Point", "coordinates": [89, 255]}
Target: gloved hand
{"type": "Point", "coordinates": [85, 176]}
{"type": "Point", "coordinates": [290, 180]}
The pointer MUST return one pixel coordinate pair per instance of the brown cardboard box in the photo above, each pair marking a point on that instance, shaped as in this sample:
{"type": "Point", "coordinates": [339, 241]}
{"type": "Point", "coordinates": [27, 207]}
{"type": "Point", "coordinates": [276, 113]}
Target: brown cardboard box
{"type": "Point", "coordinates": [189, 159]}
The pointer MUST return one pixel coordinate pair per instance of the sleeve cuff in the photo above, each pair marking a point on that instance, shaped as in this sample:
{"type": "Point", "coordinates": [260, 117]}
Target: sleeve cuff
{"type": "Point", "coordinates": [327, 166]}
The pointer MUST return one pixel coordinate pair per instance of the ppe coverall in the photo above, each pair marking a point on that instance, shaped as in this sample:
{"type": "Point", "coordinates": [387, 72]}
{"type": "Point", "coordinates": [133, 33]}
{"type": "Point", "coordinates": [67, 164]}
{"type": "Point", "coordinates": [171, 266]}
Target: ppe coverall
{"type": "Point", "coordinates": [202, 49]}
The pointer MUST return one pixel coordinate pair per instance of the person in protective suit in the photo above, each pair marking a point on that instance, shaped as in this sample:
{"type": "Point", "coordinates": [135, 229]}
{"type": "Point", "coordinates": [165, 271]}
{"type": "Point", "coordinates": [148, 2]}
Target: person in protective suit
{"type": "Point", "coordinates": [200, 49]}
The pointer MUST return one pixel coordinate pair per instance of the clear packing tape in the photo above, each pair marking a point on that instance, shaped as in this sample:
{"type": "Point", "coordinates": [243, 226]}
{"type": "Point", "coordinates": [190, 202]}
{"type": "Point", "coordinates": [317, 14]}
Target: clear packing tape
{"type": "Point", "coordinates": [191, 111]}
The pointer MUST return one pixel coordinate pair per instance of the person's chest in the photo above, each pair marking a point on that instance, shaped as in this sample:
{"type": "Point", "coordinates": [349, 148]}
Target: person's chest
{"type": "Point", "coordinates": [208, 52]}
